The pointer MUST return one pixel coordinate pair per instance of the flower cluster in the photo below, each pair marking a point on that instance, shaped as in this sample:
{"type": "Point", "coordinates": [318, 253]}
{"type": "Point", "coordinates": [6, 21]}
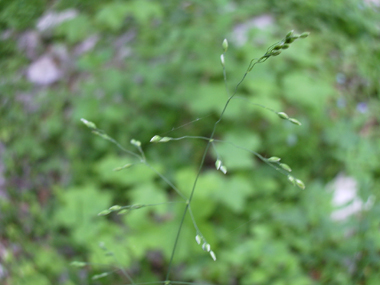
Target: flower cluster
{"type": "Point", "coordinates": [205, 246]}
{"type": "Point", "coordinates": [294, 181]}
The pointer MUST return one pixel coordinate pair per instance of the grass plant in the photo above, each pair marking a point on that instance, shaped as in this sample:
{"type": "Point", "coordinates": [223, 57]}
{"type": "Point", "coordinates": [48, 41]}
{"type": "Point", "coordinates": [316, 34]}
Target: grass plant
{"type": "Point", "coordinates": [212, 143]}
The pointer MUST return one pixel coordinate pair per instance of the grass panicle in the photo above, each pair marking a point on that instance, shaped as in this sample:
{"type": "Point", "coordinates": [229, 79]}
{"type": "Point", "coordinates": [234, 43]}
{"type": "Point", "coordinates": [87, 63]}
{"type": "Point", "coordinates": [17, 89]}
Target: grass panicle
{"type": "Point", "coordinates": [274, 162]}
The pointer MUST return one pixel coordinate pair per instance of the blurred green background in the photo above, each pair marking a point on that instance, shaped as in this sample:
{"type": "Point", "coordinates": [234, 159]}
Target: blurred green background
{"type": "Point", "coordinates": [138, 68]}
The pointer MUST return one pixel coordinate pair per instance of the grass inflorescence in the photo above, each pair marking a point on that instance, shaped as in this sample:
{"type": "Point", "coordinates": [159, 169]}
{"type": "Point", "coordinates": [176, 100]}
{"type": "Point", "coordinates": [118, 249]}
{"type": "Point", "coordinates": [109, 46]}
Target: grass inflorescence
{"type": "Point", "coordinates": [211, 143]}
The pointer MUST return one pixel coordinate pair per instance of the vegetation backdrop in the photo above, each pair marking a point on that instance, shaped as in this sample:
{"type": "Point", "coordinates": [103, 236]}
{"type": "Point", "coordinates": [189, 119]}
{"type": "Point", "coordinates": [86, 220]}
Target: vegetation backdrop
{"type": "Point", "coordinates": [143, 68]}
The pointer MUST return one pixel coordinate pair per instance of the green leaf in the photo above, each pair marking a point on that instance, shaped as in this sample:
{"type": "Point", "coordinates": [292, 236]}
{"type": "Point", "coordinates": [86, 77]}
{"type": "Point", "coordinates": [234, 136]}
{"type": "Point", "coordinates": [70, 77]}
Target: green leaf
{"type": "Point", "coordinates": [208, 98]}
{"type": "Point", "coordinates": [76, 29]}
{"type": "Point", "coordinates": [233, 157]}
{"type": "Point", "coordinates": [80, 205]}
{"type": "Point", "coordinates": [145, 10]}
{"type": "Point", "coordinates": [307, 91]}
{"type": "Point", "coordinates": [233, 193]}
{"type": "Point", "coordinates": [78, 212]}
{"type": "Point", "coordinates": [111, 16]}
{"type": "Point", "coordinates": [149, 193]}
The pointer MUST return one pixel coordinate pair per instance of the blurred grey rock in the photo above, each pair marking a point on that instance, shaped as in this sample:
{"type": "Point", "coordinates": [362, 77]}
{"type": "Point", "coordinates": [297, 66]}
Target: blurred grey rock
{"type": "Point", "coordinates": [121, 45]}
{"type": "Point", "coordinates": [50, 67]}
{"type": "Point", "coordinates": [372, 2]}
{"type": "Point", "coordinates": [240, 32]}
{"type": "Point", "coordinates": [345, 198]}
{"type": "Point", "coordinates": [28, 100]}
{"type": "Point", "coordinates": [262, 22]}
{"type": "Point", "coordinates": [30, 42]}
{"type": "Point", "coordinates": [44, 71]}
{"type": "Point", "coordinates": [87, 45]}
{"type": "Point", "coordinates": [52, 19]}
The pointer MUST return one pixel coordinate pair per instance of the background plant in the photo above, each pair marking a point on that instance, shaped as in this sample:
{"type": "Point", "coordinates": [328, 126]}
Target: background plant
{"type": "Point", "coordinates": [143, 68]}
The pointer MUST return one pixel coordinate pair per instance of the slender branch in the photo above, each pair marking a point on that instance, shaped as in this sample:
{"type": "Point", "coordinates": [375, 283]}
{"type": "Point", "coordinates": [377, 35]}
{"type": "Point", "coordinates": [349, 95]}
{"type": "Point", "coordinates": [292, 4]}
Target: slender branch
{"type": "Point", "coordinates": [102, 134]}
{"type": "Point", "coordinates": [166, 180]}
{"type": "Point", "coordinates": [184, 125]}
{"type": "Point", "coordinates": [201, 167]}
{"type": "Point", "coordinates": [257, 154]}
{"type": "Point", "coordinates": [193, 219]}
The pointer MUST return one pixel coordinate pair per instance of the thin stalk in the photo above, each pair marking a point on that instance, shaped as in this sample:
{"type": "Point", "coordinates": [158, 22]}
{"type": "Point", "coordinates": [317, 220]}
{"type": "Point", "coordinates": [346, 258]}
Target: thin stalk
{"type": "Point", "coordinates": [166, 180]}
{"type": "Point", "coordinates": [200, 168]}
{"type": "Point", "coordinates": [106, 137]}
{"type": "Point", "coordinates": [184, 125]}
{"type": "Point", "coordinates": [193, 219]}
{"type": "Point", "coordinates": [279, 169]}
{"type": "Point", "coordinates": [190, 137]}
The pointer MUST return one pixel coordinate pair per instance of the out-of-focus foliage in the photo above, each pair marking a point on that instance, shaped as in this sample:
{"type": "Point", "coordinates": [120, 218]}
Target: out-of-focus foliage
{"type": "Point", "coordinates": [140, 68]}
{"type": "Point", "coordinates": [20, 14]}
